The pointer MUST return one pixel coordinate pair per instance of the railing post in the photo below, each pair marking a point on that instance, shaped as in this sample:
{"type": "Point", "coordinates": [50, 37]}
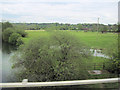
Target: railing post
{"type": "Point", "coordinates": [25, 82]}
{"type": "Point", "coordinates": [119, 82]}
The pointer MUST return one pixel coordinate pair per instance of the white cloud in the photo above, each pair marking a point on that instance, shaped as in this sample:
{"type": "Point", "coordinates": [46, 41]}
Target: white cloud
{"type": "Point", "coordinates": [60, 1]}
{"type": "Point", "coordinates": [80, 11]}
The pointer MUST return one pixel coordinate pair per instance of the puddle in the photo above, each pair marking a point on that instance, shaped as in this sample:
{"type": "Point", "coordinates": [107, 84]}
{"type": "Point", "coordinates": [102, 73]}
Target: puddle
{"type": "Point", "coordinates": [98, 53]}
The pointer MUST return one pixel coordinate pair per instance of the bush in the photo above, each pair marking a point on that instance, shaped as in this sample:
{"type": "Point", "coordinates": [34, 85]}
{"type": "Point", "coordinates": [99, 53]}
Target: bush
{"type": "Point", "coordinates": [6, 34]}
{"type": "Point", "coordinates": [13, 38]}
{"type": "Point", "coordinates": [6, 25]}
{"type": "Point", "coordinates": [58, 57]}
{"type": "Point", "coordinates": [113, 66]}
{"type": "Point", "coordinates": [114, 53]}
{"type": "Point", "coordinates": [21, 32]}
{"type": "Point", "coordinates": [19, 41]}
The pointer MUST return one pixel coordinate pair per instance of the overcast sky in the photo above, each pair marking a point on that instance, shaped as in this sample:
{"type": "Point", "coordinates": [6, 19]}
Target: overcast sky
{"type": "Point", "coordinates": [62, 11]}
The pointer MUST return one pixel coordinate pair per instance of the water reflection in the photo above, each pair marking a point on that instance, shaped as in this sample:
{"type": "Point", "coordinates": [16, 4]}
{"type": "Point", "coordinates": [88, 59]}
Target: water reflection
{"type": "Point", "coordinates": [7, 52]}
{"type": "Point", "coordinates": [8, 48]}
{"type": "Point", "coordinates": [98, 53]}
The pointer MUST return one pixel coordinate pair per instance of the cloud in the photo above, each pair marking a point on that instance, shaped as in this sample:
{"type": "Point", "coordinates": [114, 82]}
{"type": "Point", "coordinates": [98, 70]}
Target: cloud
{"type": "Point", "coordinates": [65, 11]}
{"type": "Point", "coordinates": [60, 1]}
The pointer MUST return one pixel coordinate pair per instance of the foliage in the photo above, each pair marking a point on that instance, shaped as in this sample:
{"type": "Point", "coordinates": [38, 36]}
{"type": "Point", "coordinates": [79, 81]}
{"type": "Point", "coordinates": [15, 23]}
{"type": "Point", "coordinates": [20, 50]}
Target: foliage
{"type": "Point", "coordinates": [13, 38]}
{"type": "Point", "coordinates": [90, 39]}
{"type": "Point", "coordinates": [70, 56]}
{"type": "Point", "coordinates": [114, 63]}
{"type": "Point", "coordinates": [6, 34]}
{"type": "Point", "coordinates": [57, 57]}
{"type": "Point", "coordinates": [114, 66]}
{"type": "Point", "coordinates": [19, 41]}
{"type": "Point", "coordinates": [6, 25]}
{"type": "Point", "coordinates": [67, 26]}
{"type": "Point", "coordinates": [93, 40]}
{"type": "Point", "coordinates": [8, 29]}
{"type": "Point", "coordinates": [103, 28]}
{"type": "Point", "coordinates": [20, 31]}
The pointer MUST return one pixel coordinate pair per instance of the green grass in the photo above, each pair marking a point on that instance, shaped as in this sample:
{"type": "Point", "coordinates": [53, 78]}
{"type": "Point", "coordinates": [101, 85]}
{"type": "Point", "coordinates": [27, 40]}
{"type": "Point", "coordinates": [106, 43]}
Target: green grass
{"type": "Point", "coordinates": [97, 40]}
{"type": "Point", "coordinates": [91, 39]}
{"type": "Point", "coordinates": [34, 34]}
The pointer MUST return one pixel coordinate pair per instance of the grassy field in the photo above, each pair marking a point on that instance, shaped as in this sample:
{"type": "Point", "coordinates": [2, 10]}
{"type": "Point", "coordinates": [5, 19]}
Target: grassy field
{"type": "Point", "coordinates": [97, 40]}
{"type": "Point", "coordinates": [91, 39]}
{"type": "Point", "coordinates": [34, 34]}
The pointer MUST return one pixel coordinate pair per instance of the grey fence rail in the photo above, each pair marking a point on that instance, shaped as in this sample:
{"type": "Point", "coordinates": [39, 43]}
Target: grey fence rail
{"type": "Point", "coordinates": [25, 83]}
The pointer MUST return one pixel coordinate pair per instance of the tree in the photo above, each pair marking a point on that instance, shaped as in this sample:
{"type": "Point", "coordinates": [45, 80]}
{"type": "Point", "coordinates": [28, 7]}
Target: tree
{"type": "Point", "coordinates": [80, 27]}
{"type": "Point", "coordinates": [6, 25]}
{"type": "Point", "coordinates": [70, 57]}
{"type": "Point", "coordinates": [57, 57]}
{"type": "Point", "coordinates": [6, 34]}
{"type": "Point", "coordinates": [114, 53]}
{"type": "Point", "coordinates": [20, 31]}
{"type": "Point", "coordinates": [104, 28]}
{"type": "Point", "coordinates": [13, 38]}
{"type": "Point", "coordinates": [19, 41]}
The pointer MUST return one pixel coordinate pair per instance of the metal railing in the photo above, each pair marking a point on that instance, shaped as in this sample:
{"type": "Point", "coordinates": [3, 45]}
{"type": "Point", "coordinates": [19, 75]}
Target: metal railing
{"type": "Point", "coordinates": [25, 83]}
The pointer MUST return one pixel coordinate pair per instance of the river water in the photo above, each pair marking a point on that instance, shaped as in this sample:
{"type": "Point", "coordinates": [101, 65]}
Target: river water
{"type": "Point", "coordinates": [7, 71]}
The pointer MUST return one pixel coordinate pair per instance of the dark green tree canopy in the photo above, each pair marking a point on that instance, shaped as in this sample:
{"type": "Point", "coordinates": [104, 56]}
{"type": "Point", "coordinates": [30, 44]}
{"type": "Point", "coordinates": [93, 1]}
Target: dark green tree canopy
{"type": "Point", "coordinates": [6, 34]}
{"type": "Point", "coordinates": [13, 38]}
{"type": "Point", "coordinates": [57, 57]}
{"type": "Point", "coordinates": [9, 30]}
{"type": "Point", "coordinates": [6, 25]}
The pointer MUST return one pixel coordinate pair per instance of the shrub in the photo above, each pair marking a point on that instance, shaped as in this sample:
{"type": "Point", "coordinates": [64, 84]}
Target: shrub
{"type": "Point", "coordinates": [19, 41]}
{"type": "Point", "coordinates": [6, 34]}
{"type": "Point", "coordinates": [13, 38]}
{"type": "Point", "coordinates": [59, 57]}
{"type": "Point", "coordinates": [114, 54]}
{"type": "Point", "coordinates": [21, 32]}
{"type": "Point", "coordinates": [6, 25]}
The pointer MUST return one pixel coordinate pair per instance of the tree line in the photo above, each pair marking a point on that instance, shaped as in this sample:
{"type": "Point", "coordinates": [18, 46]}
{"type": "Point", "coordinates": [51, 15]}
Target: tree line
{"type": "Point", "coordinates": [61, 26]}
{"type": "Point", "coordinates": [12, 34]}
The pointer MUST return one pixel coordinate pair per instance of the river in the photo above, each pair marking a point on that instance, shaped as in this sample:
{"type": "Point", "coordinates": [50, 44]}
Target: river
{"type": "Point", "coordinates": [7, 71]}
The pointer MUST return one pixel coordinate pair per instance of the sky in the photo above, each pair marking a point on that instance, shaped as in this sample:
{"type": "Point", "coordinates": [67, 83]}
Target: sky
{"type": "Point", "coordinates": [61, 11]}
